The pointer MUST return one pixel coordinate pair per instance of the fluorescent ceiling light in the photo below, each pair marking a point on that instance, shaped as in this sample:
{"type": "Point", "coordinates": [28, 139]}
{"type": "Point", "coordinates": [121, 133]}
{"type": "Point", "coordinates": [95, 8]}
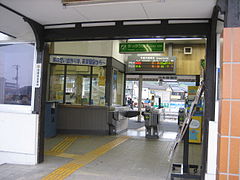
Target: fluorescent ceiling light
{"type": "Point", "coordinates": [166, 39]}
{"type": "Point", "coordinates": [140, 22]}
{"type": "Point", "coordinates": [169, 80]}
{"type": "Point", "coordinates": [98, 24]}
{"type": "Point", "coordinates": [86, 2]}
{"type": "Point", "coordinates": [149, 39]}
{"type": "Point", "coordinates": [179, 39]}
{"type": "Point", "coordinates": [4, 37]}
{"type": "Point", "coordinates": [59, 26]}
{"type": "Point", "coordinates": [187, 21]}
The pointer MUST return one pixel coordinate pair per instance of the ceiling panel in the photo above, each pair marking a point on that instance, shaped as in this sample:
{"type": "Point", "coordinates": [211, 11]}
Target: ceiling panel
{"type": "Point", "coordinates": [180, 9]}
{"type": "Point", "coordinates": [52, 11]}
{"type": "Point", "coordinates": [45, 11]}
{"type": "Point", "coordinates": [122, 11]}
{"type": "Point", "coordinates": [15, 25]}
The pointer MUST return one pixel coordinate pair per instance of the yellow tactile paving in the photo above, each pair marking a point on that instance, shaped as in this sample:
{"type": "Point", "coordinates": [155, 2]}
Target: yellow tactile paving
{"type": "Point", "coordinates": [63, 172]}
{"type": "Point", "coordinates": [63, 145]}
{"type": "Point", "coordinates": [69, 168]}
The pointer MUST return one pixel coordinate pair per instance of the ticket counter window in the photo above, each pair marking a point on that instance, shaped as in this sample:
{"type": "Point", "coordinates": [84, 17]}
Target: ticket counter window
{"type": "Point", "coordinates": [77, 85]}
{"type": "Point", "coordinates": [98, 86]}
{"type": "Point", "coordinates": [57, 83]}
{"type": "Point", "coordinates": [118, 81]}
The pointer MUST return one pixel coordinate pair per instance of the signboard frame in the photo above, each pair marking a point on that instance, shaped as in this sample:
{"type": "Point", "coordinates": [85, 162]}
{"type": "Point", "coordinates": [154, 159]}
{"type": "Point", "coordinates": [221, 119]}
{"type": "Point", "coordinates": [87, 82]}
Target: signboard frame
{"type": "Point", "coordinates": [78, 60]}
{"type": "Point", "coordinates": [131, 48]}
{"type": "Point", "coordinates": [131, 64]}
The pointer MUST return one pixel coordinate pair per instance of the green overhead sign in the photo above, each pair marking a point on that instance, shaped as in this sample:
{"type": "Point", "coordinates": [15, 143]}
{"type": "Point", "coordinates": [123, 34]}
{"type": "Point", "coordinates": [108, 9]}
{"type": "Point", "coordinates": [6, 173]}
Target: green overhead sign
{"type": "Point", "coordinates": [141, 47]}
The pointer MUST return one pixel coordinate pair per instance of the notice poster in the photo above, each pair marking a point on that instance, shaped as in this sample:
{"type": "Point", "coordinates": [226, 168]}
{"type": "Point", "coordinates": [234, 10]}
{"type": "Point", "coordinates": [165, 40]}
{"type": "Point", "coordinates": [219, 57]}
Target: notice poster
{"type": "Point", "coordinates": [192, 91]}
{"type": "Point", "coordinates": [195, 129]}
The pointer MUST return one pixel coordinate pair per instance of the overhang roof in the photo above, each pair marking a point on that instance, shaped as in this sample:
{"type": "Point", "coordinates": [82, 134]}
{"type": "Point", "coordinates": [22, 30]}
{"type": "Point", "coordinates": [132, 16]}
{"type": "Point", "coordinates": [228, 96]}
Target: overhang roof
{"type": "Point", "coordinates": [52, 12]}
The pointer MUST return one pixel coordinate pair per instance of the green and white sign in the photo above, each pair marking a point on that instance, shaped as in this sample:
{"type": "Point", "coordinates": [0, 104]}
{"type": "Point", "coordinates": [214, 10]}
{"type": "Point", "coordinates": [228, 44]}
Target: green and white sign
{"type": "Point", "coordinates": [141, 47]}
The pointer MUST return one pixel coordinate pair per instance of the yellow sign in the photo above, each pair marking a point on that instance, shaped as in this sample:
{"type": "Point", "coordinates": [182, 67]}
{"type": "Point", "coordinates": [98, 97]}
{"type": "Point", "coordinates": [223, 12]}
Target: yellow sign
{"type": "Point", "coordinates": [192, 90]}
{"type": "Point", "coordinates": [195, 130]}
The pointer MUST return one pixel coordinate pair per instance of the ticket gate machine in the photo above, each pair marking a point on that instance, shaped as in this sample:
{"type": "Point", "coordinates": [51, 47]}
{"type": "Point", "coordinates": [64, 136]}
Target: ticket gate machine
{"type": "Point", "coordinates": [151, 118]}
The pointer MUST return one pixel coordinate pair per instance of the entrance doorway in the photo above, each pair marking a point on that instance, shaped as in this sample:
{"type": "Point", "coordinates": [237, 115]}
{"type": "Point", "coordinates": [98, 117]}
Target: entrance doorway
{"type": "Point", "coordinates": [168, 90]}
{"type": "Point", "coordinates": [88, 93]}
{"type": "Point", "coordinates": [76, 81]}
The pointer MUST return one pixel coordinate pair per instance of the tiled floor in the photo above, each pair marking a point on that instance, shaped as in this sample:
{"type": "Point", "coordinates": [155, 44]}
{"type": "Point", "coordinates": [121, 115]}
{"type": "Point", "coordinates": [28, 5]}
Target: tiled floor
{"type": "Point", "coordinates": [134, 158]}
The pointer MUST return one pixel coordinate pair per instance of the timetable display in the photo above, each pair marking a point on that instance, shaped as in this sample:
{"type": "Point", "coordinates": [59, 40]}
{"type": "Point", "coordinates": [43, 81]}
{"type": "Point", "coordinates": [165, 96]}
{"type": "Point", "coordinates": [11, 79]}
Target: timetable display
{"type": "Point", "coordinates": [152, 65]}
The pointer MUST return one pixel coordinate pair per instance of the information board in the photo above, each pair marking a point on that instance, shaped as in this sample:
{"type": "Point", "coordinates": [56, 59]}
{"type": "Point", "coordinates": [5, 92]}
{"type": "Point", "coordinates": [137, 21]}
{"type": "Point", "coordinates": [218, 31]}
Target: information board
{"type": "Point", "coordinates": [151, 65]}
{"type": "Point", "coordinates": [141, 47]}
{"type": "Point", "coordinates": [78, 60]}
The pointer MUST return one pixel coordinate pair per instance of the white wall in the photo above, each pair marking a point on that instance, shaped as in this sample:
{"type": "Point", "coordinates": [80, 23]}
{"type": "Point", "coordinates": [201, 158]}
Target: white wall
{"type": "Point", "coordinates": [18, 137]}
{"type": "Point", "coordinates": [90, 48]}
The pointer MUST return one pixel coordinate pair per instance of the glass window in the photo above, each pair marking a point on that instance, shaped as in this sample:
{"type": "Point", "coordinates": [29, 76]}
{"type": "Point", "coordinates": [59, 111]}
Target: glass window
{"type": "Point", "coordinates": [118, 81]}
{"type": "Point", "coordinates": [131, 91]}
{"type": "Point", "coordinates": [78, 85]}
{"type": "Point", "coordinates": [56, 83]}
{"type": "Point", "coordinates": [16, 67]}
{"type": "Point", "coordinates": [78, 80]}
{"type": "Point", "coordinates": [98, 86]}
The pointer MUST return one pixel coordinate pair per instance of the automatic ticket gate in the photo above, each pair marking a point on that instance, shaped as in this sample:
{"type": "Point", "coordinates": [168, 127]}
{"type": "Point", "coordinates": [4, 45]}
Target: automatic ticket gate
{"type": "Point", "coordinates": [151, 118]}
{"type": "Point", "coordinates": [118, 119]}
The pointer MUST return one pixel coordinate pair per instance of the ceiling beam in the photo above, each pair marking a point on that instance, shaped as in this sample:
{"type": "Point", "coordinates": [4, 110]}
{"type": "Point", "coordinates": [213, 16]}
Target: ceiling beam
{"type": "Point", "coordinates": [131, 20]}
{"type": "Point", "coordinates": [120, 31]}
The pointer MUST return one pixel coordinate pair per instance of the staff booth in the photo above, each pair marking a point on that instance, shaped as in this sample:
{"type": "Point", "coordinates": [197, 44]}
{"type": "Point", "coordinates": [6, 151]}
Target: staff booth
{"type": "Point", "coordinates": [85, 90]}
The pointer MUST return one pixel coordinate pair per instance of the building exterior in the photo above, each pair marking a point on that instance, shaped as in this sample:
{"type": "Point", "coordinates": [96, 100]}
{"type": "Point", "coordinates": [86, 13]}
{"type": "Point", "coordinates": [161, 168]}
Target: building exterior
{"type": "Point", "coordinates": [221, 159]}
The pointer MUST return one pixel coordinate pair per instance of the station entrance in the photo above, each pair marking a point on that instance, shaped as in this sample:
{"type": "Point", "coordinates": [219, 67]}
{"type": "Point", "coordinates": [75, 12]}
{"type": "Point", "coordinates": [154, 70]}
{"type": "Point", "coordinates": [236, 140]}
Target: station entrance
{"type": "Point", "coordinates": [81, 80]}
{"type": "Point", "coordinates": [94, 91]}
{"type": "Point", "coordinates": [84, 78]}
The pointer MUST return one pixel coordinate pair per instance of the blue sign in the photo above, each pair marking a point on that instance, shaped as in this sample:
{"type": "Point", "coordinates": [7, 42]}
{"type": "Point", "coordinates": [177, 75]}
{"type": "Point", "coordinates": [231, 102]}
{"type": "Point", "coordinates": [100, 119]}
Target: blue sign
{"type": "Point", "coordinates": [78, 60]}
